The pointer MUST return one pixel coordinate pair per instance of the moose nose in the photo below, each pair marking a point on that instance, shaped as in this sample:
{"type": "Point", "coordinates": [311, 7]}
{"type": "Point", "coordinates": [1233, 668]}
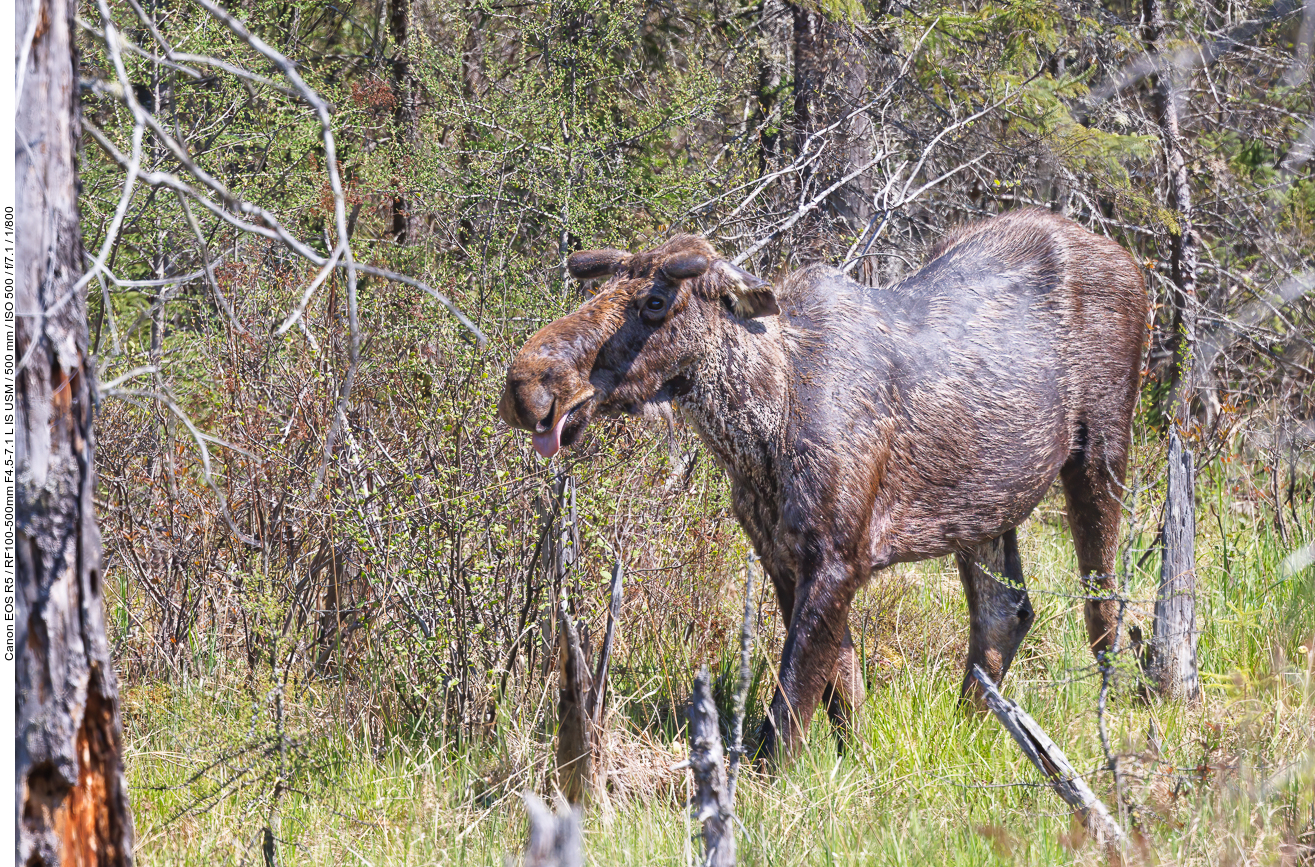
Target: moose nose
{"type": "Point", "coordinates": [546, 422]}
{"type": "Point", "coordinates": [528, 406]}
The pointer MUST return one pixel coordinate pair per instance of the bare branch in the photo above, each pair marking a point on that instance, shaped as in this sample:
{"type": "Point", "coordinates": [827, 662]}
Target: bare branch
{"type": "Point", "coordinates": [742, 688]}
{"type": "Point", "coordinates": [804, 210]}
{"type": "Point", "coordinates": [1184, 61]}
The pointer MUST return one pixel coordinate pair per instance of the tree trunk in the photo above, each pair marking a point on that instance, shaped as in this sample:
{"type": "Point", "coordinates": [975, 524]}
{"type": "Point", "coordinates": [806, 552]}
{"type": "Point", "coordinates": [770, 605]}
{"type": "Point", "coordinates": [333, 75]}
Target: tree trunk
{"type": "Point", "coordinates": [404, 112]}
{"type": "Point", "coordinates": [838, 70]}
{"type": "Point", "coordinates": [831, 82]}
{"type": "Point", "coordinates": [72, 804]}
{"type": "Point", "coordinates": [775, 23]}
{"type": "Point", "coordinates": [1172, 662]}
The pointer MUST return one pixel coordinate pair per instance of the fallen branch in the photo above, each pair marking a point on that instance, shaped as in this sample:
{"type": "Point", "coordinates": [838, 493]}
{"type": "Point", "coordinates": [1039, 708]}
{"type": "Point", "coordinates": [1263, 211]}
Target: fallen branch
{"type": "Point", "coordinates": [1051, 761]}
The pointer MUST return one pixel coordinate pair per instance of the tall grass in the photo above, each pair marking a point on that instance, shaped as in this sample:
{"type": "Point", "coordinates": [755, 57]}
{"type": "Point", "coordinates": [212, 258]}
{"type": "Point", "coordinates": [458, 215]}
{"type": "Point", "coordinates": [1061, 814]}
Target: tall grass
{"type": "Point", "coordinates": [215, 758]}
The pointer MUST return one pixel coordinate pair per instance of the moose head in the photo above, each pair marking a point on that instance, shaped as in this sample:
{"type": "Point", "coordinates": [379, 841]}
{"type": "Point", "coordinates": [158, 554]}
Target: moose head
{"type": "Point", "coordinates": [634, 344]}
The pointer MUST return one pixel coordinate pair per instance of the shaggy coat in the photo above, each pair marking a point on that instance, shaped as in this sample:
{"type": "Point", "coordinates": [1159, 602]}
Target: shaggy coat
{"type": "Point", "coordinates": [862, 426]}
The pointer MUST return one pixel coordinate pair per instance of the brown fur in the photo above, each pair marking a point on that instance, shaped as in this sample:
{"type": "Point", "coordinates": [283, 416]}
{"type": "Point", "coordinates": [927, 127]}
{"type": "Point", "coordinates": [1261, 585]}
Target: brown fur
{"type": "Point", "coordinates": [863, 427]}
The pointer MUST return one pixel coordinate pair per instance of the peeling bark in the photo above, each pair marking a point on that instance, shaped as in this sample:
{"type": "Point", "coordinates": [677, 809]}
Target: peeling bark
{"type": "Point", "coordinates": [72, 805]}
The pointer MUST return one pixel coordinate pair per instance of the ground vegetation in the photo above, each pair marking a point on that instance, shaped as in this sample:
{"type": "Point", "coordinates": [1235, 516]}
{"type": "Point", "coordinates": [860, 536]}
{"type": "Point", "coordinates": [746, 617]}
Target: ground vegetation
{"type": "Point", "coordinates": [332, 576]}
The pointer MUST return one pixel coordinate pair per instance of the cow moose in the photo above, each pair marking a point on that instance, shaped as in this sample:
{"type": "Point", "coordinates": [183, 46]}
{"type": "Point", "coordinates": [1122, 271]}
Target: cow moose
{"type": "Point", "coordinates": [862, 427]}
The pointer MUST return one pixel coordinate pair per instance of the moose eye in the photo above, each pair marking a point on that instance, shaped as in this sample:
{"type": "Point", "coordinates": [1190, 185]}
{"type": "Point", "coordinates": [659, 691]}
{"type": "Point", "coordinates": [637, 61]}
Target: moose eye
{"type": "Point", "coordinates": [656, 303]}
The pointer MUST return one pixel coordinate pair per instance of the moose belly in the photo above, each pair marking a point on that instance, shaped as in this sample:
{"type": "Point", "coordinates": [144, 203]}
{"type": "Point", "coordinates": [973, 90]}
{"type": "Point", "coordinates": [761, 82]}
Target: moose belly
{"type": "Point", "coordinates": [968, 473]}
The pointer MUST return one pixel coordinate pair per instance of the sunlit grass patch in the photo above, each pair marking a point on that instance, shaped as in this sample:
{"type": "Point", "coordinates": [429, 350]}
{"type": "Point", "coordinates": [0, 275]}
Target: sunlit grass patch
{"type": "Point", "coordinates": [921, 781]}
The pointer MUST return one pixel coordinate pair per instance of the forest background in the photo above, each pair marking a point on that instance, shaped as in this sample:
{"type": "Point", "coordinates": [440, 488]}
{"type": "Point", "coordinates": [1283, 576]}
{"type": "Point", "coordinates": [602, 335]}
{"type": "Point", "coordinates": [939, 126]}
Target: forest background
{"type": "Point", "coordinates": [331, 573]}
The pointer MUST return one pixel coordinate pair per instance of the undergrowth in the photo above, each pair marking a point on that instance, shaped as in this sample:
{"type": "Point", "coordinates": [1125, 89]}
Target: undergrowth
{"type": "Point", "coordinates": [218, 756]}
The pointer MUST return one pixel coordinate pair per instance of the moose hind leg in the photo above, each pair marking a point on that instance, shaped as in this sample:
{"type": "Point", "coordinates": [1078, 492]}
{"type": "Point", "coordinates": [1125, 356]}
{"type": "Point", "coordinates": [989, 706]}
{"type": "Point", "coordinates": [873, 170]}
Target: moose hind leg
{"type": "Point", "coordinates": [999, 610]}
{"type": "Point", "coordinates": [1092, 484]}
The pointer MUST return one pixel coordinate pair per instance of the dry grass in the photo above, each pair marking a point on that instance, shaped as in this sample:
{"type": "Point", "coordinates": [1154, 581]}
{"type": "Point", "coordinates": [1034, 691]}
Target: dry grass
{"type": "Point", "coordinates": [1229, 782]}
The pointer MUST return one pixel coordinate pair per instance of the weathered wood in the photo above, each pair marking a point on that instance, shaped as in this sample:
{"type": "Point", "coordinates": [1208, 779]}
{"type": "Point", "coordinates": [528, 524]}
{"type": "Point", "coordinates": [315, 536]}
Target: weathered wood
{"type": "Point", "coordinates": [575, 752]}
{"type": "Point", "coordinates": [598, 692]}
{"type": "Point", "coordinates": [1051, 761]}
{"type": "Point", "coordinates": [712, 805]}
{"type": "Point", "coordinates": [553, 840]}
{"type": "Point", "coordinates": [742, 688]}
{"type": "Point", "coordinates": [1172, 662]}
{"type": "Point", "coordinates": [72, 804]}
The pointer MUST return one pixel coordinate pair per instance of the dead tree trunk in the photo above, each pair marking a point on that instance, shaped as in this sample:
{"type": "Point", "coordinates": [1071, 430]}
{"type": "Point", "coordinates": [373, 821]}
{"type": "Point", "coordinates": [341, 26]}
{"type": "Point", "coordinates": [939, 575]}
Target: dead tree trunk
{"type": "Point", "coordinates": [1172, 663]}
{"type": "Point", "coordinates": [575, 730]}
{"type": "Point", "coordinates": [581, 698]}
{"type": "Point", "coordinates": [72, 801]}
{"type": "Point", "coordinates": [1172, 653]}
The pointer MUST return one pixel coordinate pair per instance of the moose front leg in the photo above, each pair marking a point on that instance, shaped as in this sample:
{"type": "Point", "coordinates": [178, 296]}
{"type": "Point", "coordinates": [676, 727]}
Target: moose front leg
{"type": "Point", "coordinates": [999, 611]}
{"type": "Point", "coordinates": [818, 632]}
{"type": "Point", "coordinates": [843, 694]}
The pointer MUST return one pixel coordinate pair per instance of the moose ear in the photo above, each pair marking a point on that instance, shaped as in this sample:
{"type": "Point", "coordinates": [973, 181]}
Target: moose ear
{"type": "Point", "coordinates": [591, 264]}
{"type": "Point", "coordinates": [750, 296]}
{"type": "Point", "coordinates": [683, 266]}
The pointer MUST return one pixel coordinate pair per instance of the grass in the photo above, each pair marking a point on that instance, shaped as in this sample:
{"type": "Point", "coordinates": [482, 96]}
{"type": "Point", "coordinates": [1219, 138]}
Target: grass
{"type": "Point", "coordinates": [920, 782]}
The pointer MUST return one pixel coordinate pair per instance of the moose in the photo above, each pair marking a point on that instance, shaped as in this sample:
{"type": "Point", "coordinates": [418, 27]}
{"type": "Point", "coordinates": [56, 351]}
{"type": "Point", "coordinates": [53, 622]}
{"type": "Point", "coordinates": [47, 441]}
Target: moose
{"type": "Point", "coordinates": [862, 427]}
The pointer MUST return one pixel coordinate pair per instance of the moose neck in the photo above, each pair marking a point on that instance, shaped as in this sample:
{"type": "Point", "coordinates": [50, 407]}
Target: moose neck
{"type": "Point", "coordinates": [740, 397]}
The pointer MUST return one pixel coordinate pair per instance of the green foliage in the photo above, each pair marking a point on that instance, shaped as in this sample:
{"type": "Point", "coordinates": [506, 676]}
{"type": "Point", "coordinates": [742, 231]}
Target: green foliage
{"type": "Point", "coordinates": [921, 782]}
{"type": "Point", "coordinates": [370, 678]}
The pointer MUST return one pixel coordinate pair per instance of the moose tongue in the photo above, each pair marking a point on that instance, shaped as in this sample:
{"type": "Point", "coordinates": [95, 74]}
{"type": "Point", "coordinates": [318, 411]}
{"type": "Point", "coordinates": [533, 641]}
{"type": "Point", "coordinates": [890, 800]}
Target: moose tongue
{"type": "Point", "coordinates": [548, 442]}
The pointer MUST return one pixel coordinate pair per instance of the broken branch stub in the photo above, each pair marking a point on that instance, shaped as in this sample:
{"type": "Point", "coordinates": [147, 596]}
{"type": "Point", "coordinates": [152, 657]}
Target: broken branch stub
{"type": "Point", "coordinates": [711, 804]}
{"type": "Point", "coordinates": [553, 840]}
{"type": "Point", "coordinates": [575, 758]}
{"type": "Point", "coordinates": [598, 693]}
{"type": "Point", "coordinates": [1051, 761]}
{"type": "Point", "coordinates": [1172, 664]}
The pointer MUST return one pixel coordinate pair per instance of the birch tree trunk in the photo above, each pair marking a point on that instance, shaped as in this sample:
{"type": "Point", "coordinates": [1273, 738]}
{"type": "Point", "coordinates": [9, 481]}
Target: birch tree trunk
{"type": "Point", "coordinates": [1172, 654]}
{"type": "Point", "coordinates": [72, 805]}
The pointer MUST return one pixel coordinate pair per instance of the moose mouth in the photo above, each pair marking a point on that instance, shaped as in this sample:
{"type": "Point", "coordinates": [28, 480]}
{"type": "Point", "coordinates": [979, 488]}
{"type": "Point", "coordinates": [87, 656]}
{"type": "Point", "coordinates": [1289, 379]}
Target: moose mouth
{"type": "Point", "coordinates": [568, 428]}
{"type": "Point", "coordinates": [565, 432]}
